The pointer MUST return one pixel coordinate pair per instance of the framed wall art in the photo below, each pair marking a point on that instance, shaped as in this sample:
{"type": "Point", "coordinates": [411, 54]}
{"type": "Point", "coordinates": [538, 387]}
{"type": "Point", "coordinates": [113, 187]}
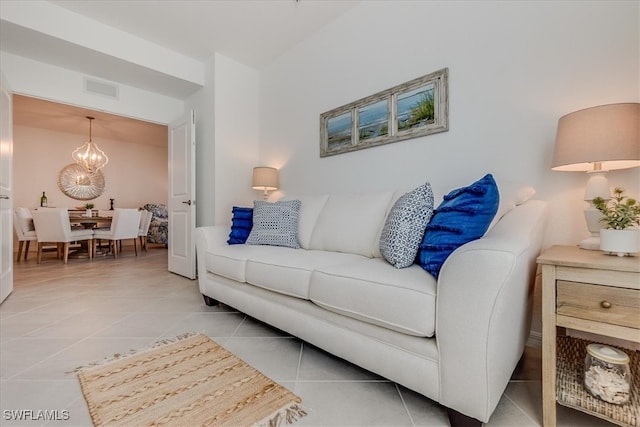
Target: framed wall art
{"type": "Point", "coordinates": [416, 108]}
{"type": "Point", "coordinates": [75, 182]}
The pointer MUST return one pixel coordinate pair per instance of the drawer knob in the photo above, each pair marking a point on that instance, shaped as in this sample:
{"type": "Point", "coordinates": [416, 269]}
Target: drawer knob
{"type": "Point", "coordinates": [605, 304]}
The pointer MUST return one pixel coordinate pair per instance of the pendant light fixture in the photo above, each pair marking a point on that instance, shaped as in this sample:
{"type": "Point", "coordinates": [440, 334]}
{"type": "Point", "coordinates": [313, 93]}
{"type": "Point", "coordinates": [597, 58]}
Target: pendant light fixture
{"type": "Point", "coordinates": [89, 155]}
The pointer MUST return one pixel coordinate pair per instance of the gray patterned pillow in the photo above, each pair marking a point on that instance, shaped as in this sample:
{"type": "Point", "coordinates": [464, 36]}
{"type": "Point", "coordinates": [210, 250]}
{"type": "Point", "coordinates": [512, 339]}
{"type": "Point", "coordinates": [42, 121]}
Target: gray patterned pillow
{"type": "Point", "coordinates": [405, 225]}
{"type": "Point", "coordinates": [275, 224]}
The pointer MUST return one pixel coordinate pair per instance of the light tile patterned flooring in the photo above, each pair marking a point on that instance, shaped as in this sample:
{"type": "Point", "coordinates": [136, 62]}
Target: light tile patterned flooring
{"type": "Point", "coordinates": [61, 316]}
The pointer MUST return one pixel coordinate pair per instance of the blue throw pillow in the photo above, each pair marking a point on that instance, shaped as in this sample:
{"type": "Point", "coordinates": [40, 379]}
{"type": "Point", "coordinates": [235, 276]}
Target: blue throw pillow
{"type": "Point", "coordinates": [241, 224]}
{"type": "Point", "coordinates": [464, 215]}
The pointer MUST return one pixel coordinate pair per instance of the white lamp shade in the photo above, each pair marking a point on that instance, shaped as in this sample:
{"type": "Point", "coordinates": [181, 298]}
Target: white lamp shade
{"type": "Point", "coordinates": [607, 134]}
{"type": "Point", "coordinates": [265, 178]}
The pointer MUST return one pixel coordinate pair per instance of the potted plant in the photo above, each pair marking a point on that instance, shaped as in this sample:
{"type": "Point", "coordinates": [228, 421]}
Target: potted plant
{"type": "Point", "coordinates": [89, 206]}
{"type": "Point", "coordinates": [619, 215]}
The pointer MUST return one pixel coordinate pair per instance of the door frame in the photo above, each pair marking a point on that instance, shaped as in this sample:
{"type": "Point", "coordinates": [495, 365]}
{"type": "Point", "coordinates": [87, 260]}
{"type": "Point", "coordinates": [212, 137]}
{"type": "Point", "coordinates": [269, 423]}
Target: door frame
{"type": "Point", "coordinates": [6, 189]}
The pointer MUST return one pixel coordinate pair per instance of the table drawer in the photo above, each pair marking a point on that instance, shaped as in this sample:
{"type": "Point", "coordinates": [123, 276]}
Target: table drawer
{"type": "Point", "coordinates": [617, 306]}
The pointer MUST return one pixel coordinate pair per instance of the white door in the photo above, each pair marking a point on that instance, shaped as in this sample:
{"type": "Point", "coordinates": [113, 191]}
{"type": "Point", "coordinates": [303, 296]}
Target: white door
{"type": "Point", "coordinates": [6, 190]}
{"type": "Point", "coordinates": [182, 191]}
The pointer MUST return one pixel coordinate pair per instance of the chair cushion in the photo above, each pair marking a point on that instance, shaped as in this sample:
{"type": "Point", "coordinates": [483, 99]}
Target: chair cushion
{"type": "Point", "coordinates": [275, 224]}
{"type": "Point", "coordinates": [82, 234]}
{"type": "Point", "coordinates": [373, 291]}
{"type": "Point", "coordinates": [463, 216]}
{"type": "Point", "coordinates": [241, 224]}
{"type": "Point", "coordinates": [26, 219]}
{"type": "Point", "coordinates": [404, 227]}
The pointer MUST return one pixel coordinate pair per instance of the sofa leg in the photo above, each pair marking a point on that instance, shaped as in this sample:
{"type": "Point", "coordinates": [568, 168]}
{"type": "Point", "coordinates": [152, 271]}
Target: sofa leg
{"type": "Point", "coordinates": [456, 419]}
{"type": "Point", "coordinates": [210, 302]}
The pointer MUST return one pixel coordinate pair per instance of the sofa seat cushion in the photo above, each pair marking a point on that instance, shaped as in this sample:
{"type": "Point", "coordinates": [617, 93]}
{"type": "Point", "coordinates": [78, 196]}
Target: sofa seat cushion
{"type": "Point", "coordinates": [374, 291]}
{"type": "Point", "coordinates": [289, 272]}
{"type": "Point", "coordinates": [230, 261]}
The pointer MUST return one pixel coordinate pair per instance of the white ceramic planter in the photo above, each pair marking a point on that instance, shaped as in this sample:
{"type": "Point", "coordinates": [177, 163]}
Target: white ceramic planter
{"type": "Point", "coordinates": [620, 242]}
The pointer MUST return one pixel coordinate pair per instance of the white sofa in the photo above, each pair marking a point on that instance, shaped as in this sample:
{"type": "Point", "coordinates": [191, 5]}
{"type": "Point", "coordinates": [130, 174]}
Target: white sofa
{"type": "Point", "coordinates": [456, 340]}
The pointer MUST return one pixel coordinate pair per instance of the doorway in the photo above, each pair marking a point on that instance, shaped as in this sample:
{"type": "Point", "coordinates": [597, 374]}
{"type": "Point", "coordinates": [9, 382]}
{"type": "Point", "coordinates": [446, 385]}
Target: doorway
{"type": "Point", "coordinates": [45, 134]}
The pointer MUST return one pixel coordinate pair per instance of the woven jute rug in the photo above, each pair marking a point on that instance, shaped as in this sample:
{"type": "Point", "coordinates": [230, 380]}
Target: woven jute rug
{"type": "Point", "coordinates": [190, 382]}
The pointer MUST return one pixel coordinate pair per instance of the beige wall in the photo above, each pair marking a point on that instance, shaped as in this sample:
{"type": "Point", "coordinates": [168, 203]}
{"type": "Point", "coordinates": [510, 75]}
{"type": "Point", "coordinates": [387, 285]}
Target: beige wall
{"type": "Point", "coordinates": [136, 173]}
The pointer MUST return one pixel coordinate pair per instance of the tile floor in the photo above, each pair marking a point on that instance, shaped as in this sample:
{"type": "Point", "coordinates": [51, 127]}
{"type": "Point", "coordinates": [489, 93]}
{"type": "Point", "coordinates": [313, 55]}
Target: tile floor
{"type": "Point", "coordinates": [61, 317]}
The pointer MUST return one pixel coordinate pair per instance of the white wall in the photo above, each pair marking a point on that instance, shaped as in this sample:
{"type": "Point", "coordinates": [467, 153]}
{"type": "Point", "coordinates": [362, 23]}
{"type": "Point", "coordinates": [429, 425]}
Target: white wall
{"type": "Point", "coordinates": [136, 173]}
{"type": "Point", "coordinates": [226, 139]}
{"type": "Point", "coordinates": [203, 103]}
{"type": "Point", "coordinates": [105, 51]}
{"type": "Point", "coordinates": [236, 130]}
{"type": "Point", "coordinates": [514, 69]}
{"type": "Point", "coordinates": [40, 80]}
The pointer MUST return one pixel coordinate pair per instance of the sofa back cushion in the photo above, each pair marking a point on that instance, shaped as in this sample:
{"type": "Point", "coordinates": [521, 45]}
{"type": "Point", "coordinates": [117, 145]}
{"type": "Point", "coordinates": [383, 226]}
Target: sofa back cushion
{"type": "Point", "coordinates": [512, 194]}
{"type": "Point", "coordinates": [351, 223]}
{"type": "Point", "coordinates": [310, 209]}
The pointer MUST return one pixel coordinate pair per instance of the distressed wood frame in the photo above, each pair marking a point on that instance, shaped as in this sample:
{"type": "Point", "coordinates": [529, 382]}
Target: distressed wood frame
{"type": "Point", "coordinates": [341, 130]}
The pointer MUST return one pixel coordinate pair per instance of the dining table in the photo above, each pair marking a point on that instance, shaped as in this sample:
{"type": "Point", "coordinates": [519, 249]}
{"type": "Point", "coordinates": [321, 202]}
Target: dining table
{"type": "Point", "coordinates": [89, 222]}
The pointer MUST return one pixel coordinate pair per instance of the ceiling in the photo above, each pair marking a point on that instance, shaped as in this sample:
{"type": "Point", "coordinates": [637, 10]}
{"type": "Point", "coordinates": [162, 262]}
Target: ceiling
{"type": "Point", "coordinates": [252, 32]}
{"type": "Point", "coordinates": [57, 117]}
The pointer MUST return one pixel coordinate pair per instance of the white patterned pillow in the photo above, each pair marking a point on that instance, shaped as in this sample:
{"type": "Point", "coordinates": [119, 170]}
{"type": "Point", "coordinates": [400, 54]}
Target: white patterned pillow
{"type": "Point", "coordinates": [275, 224]}
{"type": "Point", "coordinates": [405, 225]}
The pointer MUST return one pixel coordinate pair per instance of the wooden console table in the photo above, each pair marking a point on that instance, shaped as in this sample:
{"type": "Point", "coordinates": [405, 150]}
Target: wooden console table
{"type": "Point", "coordinates": [593, 292]}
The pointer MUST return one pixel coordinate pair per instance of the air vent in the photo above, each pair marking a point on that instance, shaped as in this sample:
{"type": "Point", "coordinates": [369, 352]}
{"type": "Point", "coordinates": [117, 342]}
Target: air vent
{"type": "Point", "coordinates": [101, 88]}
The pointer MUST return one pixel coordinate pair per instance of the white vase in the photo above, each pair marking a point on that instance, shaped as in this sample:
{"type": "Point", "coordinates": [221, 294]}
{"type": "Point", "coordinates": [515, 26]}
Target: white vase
{"type": "Point", "coordinates": [88, 213]}
{"type": "Point", "coordinates": [620, 242]}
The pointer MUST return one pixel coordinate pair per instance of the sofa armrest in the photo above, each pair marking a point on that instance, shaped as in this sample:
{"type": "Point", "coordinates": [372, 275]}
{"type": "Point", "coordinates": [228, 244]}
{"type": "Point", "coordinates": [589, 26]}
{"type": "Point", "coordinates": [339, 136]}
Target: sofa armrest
{"type": "Point", "coordinates": [207, 238]}
{"type": "Point", "coordinates": [483, 310]}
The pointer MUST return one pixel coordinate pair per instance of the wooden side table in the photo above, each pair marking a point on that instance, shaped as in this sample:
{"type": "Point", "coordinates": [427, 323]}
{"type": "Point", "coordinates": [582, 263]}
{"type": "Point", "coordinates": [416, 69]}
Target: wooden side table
{"type": "Point", "coordinates": [587, 291]}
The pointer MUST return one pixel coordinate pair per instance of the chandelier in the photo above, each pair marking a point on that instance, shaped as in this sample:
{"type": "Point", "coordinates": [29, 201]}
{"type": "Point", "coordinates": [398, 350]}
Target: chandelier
{"type": "Point", "coordinates": [89, 155]}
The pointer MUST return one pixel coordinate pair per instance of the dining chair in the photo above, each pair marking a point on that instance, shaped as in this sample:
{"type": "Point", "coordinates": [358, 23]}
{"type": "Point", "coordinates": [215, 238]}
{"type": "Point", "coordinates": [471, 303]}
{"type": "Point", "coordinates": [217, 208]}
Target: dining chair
{"type": "Point", "coordinates": [145, 222]}
{"type": "Point", "coordinates": [52, 226]}
{"type": "Point", "coordinates": [125, 225]}
{"type": "Point", "coordinates": [25, 231]}
{"type": "Point", "coordinates": [104, 225]}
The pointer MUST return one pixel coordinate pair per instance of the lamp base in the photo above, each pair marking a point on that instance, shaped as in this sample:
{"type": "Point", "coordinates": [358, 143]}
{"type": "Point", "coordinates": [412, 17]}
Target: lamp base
{"type": "Point", "coordinates": [591, 243]}
{"type": "Point", "coordinates": [592, 217]}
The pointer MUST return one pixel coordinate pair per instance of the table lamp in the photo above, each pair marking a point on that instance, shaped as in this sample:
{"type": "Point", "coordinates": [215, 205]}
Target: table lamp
{"type": "Point", "coordinates": [596, 140]}
{"type": "Point", "coordinates": [265, 178]}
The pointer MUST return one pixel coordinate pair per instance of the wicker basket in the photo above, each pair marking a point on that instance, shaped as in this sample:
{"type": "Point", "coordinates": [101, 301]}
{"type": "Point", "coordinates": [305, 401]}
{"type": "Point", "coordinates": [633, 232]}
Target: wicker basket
{"type": "Point", "coordinates": [571, 392]}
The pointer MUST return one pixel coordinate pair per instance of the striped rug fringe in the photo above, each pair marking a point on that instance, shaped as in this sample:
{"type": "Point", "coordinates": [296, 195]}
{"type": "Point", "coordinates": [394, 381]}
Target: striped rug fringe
{"type": "Point", "coordinates": [132, 352]}
{"type": "Point", "coordinates": [289, 415]}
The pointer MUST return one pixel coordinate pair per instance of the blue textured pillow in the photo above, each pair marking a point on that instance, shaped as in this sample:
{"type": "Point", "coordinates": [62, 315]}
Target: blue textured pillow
{"type": "Point", "coordinates": [464, 215]}
{"type": "Point", "coordinates": [241, 224]}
